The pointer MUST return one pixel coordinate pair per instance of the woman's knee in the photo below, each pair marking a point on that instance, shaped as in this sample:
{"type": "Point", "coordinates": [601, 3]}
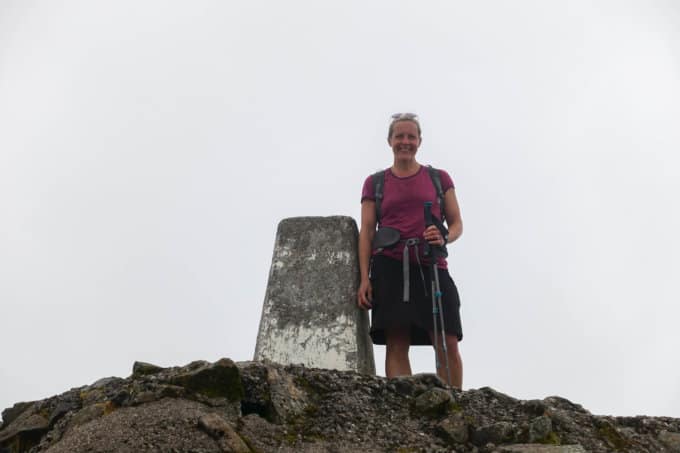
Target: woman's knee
{"type": "Point", "coordinates": [451, 342]}
{"type": "Point", "coordinates": [398, 341]}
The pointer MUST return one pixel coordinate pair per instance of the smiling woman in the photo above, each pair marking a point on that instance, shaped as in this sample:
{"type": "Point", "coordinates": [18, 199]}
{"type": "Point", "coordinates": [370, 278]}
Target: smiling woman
{"type": "Point", "coordinates": [402, 204]}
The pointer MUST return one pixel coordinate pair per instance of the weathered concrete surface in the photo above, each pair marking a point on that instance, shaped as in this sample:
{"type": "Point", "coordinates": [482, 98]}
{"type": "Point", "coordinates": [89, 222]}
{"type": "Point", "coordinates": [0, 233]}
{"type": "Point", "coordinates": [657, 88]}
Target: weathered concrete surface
{"type": "Point", "coordinates": [309, 315]}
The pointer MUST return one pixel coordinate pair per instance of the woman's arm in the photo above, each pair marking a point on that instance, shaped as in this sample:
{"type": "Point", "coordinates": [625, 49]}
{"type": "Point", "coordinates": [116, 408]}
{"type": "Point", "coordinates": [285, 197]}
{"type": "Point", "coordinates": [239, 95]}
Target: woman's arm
{"type": "Point", "coordinates": [366, 233]}
{"type": "Point", "coordinates": [452, 212]}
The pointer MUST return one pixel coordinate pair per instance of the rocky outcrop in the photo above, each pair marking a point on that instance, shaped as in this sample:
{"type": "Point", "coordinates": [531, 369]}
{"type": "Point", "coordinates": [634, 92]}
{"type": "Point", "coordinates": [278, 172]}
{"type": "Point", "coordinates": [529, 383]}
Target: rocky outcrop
{"type": "Point", "coordinates": [261, 407]}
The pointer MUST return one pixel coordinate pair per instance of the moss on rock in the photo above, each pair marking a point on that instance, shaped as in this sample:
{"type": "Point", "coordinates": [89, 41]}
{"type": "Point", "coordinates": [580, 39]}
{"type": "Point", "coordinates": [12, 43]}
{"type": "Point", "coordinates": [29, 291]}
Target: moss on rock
{"type": "Point", "coordinates": [145, 369]}
{"type": "Point", "coordinates": [611, 435]}
{"type": "Point", "coordinates": [220, 380]}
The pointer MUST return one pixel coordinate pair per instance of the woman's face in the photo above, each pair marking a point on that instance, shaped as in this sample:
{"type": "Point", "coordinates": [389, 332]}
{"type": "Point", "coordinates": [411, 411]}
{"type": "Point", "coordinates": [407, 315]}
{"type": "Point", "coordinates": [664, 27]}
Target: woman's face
{"type": "Point", "coordinates": [404, 140]}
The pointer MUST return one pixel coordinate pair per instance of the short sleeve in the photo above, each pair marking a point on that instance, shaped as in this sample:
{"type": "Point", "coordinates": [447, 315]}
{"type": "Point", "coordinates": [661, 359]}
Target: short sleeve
{"type": "Point", "coordinates": [447, 182]}
{"type": "Point", "coordinates": [367, 193]}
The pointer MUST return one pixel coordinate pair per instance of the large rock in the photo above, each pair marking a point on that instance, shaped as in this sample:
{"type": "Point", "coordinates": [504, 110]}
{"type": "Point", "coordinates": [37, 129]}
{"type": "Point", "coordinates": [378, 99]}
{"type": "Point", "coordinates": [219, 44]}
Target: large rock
{"type": "Point", "coordinates": [164, 425]}
{"type": "Point", "coordinates": [223, 407]}
{"type": "Point", "coordinates": [670, 440]}
{"type": "Point", "coordinates": [309, 315]}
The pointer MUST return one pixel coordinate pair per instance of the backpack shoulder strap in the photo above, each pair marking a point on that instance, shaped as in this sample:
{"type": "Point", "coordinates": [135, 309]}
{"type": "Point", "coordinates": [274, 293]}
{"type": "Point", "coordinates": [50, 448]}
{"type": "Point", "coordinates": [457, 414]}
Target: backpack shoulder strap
{"type": "Point", "coordinates": [437, 182]}
{"type": "Point", "coordinates": [378, 188]}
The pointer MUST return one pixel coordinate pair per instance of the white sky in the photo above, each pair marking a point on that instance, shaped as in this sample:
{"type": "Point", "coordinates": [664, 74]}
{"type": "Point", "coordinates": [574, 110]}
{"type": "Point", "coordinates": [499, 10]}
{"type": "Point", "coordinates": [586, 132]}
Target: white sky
{"type": "Point", "coordinates": [148, 151]}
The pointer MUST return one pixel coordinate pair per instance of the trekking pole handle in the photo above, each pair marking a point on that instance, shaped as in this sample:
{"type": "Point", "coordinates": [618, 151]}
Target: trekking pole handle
{"type": "Point", "coordinates": [428, 214]}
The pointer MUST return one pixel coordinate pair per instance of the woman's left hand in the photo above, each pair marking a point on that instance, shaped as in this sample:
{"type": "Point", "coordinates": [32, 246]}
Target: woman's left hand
{"type": "Point", "coordinates": [434, 236]}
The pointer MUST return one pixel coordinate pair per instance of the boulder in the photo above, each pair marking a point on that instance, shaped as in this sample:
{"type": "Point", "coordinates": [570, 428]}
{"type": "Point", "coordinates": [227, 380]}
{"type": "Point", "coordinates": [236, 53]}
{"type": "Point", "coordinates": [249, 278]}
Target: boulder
{"type": "Point", "coordinates": [670, 440]}
{"type": "Point", "coordinates": [433, 402]}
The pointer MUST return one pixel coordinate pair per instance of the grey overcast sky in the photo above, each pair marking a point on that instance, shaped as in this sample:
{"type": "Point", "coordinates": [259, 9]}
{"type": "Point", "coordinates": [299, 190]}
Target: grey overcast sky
{"type": "Point", "coordinates": [148, 150]}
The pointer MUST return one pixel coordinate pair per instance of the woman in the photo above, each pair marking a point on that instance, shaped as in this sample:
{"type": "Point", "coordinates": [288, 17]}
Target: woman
{"type": "Point", "coordinates": [385, 282]}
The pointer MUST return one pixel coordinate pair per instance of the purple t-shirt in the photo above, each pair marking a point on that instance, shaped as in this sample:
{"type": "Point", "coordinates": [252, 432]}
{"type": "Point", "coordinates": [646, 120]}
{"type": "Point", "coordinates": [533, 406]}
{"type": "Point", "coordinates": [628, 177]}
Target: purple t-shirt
{"type": "Point", "coordinates": [402, 205]}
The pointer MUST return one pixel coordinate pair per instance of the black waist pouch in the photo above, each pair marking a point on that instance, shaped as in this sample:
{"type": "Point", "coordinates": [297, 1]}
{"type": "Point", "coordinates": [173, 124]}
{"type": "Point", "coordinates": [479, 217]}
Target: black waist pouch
{"type": "Point", "coordinates": [385, 237]}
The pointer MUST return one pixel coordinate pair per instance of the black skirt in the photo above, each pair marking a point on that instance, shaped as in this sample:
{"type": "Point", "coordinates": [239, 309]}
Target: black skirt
{"type": "Point", "coordinates": [390, 310]}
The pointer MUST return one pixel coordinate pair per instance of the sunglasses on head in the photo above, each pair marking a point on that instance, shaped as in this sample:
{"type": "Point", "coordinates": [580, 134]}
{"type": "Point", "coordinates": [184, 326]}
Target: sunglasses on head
{"type": "Point", "coordinates": [404, 116]}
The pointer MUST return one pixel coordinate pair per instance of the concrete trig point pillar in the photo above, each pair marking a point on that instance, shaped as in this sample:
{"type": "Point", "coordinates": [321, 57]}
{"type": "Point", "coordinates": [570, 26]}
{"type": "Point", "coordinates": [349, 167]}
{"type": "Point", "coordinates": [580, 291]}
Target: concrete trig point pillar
{"type": "Point", "coordinates": [310, 315]}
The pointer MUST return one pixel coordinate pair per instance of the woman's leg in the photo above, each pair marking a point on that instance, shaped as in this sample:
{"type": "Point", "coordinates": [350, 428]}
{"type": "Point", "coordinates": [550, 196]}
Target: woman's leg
{"type": "Point", "coordinates": [455, 362]}
{"type": "Point", "coordinates": [397, 341]}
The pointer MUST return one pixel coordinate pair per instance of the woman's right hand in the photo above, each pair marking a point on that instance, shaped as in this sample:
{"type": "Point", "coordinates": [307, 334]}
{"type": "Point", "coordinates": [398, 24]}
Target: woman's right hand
{"type": "Point", "coordinates": [365, 295]}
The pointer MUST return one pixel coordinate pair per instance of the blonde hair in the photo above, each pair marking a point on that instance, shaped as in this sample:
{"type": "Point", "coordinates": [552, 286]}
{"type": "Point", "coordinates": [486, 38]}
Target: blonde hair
{"type": "Point", "coordinates": [399, 117]}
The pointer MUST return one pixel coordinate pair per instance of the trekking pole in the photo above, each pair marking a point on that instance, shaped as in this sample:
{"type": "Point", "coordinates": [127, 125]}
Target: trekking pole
{"type": "Point", "coordinates": [430, 251]}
